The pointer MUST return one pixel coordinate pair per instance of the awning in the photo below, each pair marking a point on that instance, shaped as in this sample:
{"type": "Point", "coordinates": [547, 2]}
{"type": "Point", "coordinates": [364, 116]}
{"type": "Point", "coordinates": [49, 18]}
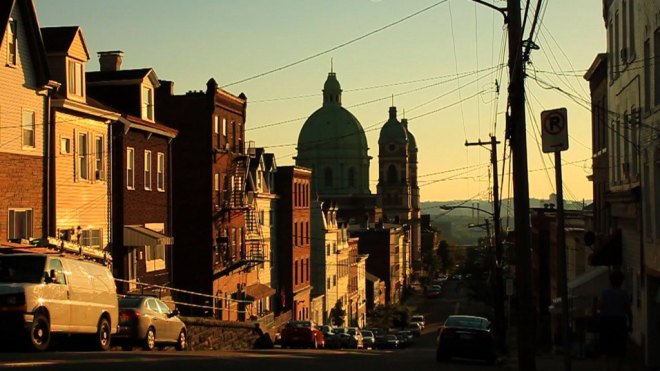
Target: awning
{"type": "Point", "coordinates": [258, 291]}
{"type": "Point", "coordinates": [136, 235]}
{"type": "Point", "coordinates": [583, 291]}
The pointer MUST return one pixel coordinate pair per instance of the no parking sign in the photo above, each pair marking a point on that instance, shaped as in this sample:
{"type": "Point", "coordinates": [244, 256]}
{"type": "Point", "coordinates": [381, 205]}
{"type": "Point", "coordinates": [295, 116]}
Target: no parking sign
{"type": "Point", "coordinates": [554, 131]}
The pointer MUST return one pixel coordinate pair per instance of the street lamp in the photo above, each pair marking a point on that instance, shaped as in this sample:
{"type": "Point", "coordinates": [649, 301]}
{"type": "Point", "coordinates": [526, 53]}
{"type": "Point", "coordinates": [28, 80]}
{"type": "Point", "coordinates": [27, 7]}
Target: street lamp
{"type": "Point", "coordinates": [498, 304]}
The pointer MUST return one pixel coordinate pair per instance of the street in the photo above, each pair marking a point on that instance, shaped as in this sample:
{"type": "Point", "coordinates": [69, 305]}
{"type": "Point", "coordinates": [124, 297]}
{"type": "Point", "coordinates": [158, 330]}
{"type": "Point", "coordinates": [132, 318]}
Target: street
{"type": "Point", "coordinates": [419, 356]}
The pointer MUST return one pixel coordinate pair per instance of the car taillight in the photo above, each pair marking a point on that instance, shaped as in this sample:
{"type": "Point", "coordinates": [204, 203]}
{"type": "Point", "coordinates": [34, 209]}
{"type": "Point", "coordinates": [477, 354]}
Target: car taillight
{"type": "Point", "coordinates": [128, 315]}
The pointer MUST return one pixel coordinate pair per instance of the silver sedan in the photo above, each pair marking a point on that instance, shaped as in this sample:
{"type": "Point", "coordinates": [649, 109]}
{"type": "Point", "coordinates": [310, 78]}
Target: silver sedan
{"type": "Point", "coordinates": [146, 321]}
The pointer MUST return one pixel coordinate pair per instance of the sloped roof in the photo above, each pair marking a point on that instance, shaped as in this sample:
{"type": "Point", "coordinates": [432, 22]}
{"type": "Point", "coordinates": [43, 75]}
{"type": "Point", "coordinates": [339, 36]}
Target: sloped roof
{"type": "Point", "coordinates": [96, 76]}
{"type": "Point", "coordinates": [58, 39]}
{"type": "Point", "coordinates": [33, 35]}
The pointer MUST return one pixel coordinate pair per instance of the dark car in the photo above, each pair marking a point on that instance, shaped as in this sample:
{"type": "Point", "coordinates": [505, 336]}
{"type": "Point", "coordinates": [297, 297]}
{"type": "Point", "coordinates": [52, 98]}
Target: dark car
{"type": "Point", "coordinates": [302, 334]}
{"type": "Point", "coordinates": [390, 342]}
{"type": "Point", "coordinates": [146, 321]}
{"type": "Point", "coordinates": [330, 338]}
{"type": "Point", "coordinates": [466, 337]}
{"type": "Point", "coordinates": [368, 339]}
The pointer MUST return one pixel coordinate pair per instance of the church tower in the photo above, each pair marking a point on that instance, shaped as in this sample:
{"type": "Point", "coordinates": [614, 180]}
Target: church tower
{"type": "Point", "coordinates": [394, 190]}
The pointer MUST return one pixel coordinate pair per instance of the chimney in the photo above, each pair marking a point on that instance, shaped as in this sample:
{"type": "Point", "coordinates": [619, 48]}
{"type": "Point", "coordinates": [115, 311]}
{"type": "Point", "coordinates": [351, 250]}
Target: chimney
{"type": "Point", "coordinates": [110, 60]}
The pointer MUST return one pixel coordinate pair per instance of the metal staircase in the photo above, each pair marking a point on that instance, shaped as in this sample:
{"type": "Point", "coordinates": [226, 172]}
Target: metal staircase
{"type": "Point", "coordinates": [240, 203]}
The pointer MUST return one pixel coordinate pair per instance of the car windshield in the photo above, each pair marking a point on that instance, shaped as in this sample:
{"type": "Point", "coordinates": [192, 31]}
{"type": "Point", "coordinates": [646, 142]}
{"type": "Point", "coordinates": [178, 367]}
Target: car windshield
{"type": "Point", "coordinates": [351, 331]}
{"type": "Point", "coordinates": [467, 322]}
{"type": "Point", "coordinates": [130, 302]}
{"type": "Point", "coordinates": [299, 324]}
{"type": "Point", "coordinates": [367, 333]}
{"type": "Point", "coordinates": [417, 318]}
{"type": "Point", "coordinates": [22, 268]}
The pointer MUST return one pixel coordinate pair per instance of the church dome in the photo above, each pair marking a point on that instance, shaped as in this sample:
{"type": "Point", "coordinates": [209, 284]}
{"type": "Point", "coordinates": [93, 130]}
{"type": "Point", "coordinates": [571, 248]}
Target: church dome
{"type": "Point", "coordinates": [393, 131]}
{"type": "Point", "coordinates": [332, 127]}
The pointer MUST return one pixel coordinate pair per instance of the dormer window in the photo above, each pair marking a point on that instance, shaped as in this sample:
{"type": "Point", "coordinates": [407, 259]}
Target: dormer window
{"type": "Point", "coordinates": [12, 50]}
{"type": "Point", "coordinates": [147, 103]}
{"type": "Point", "coordinates": [75, 78]}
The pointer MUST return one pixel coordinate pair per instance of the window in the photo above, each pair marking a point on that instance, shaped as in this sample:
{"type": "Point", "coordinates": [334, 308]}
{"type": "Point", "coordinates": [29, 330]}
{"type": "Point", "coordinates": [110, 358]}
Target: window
{"type": "Point", "coordinates": [327, 246]}
{"type": "Point", "coordinates": [160, 176]}
{"type": "Point", "coordinates": [351, 177]}
{"type": "Point", "coordinates": [91, 238]}
{"type": "Point", "coordinates": [155, 259]}
{"type": "Point", "coordinates": [391, 174]}
{"type": "Point", "coordinates": [296, 272]}
{"type": "Point", "coordinates": [147, 170]}
{"type": "Point", "coordinates": [617, 48]}
{"type": "Point", "coordinates": [20, 224]}
{"type": "Point", "coordinates": [147, 103]}
{"type": "Point", "coordinates": [224, 127]}
{"type": "Point", "coordinates": [65, 145]}
{"type": "Point", "coordinates": [12, 49]}
{"type": "Point", "coordinates": [307, 270]}
{"type": "Point", "coordinates": [75, 78]}
{"type": "Point", "coordinates": [328, 177]}
{"type": "Point", "coordinates": [216, 182]}
{"type": "Point", "coordinates": [624, 32]}
{"type": "Point", "coordinates": [130, 168]}
{"type": "Point", "coordinates": [216, 124]}
{"type": "Point", "coordinates": [611, 60]}
{"type": "Point", "coordinates": [83, 156]}
{"type": "Point", "coordinates": [328, 282]}
{"type": "Point", "coordinates": [28, 129]}
{"type": "Point", "coordinates": [98, 165]}
{"type": "Point", "coordinates": [56, 265]}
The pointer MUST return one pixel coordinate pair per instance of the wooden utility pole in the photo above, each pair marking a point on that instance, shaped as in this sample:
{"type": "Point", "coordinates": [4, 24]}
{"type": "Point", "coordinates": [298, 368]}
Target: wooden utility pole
{"type": "Point", "coordinates": [498, 302]}
{"type": "Point", "coordinates": [516, 130]}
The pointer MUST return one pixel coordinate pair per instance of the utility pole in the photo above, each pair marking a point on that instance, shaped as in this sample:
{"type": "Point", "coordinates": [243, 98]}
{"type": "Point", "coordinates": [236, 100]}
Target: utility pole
{"type": "Point", "coordinates": [498, 303]}
{"type": "Point", "coordinates": [516, 131]}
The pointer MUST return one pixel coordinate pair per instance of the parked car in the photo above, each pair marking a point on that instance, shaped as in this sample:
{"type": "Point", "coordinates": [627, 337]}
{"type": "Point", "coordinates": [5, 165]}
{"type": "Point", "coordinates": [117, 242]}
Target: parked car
{"type": "Point", "coordinates": [331, 339]}
{"type": "Point", "coordinates": [301, 334]}
{"type": "Point", "coordinates": [46, 294]}
{"type": "Point", "coordinates": [466, 337]}
{"type": "Point", "coordinates": [147, 321]}
{"type": "Point", "coordinates": [415, 328]}
{"type": "Point", "coordinates": [418, 318]}
{"type": "Point", "coordinates": [410, 337]}
{"type": "Point", "coordinates": [390, 342]}
{"type": "Point", "coordinates": [368, 339]}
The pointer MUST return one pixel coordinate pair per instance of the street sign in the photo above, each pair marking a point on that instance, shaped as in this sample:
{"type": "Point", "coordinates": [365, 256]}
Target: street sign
{"type": "Point", "coordinates": [554, 131]}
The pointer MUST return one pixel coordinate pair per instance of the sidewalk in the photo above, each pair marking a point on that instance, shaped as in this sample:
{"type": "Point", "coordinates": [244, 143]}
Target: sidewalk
{"type": "Point", "coordinates": [549, 361]}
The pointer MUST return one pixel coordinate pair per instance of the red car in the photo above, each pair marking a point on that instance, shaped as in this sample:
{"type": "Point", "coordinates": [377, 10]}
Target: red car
{"type": "Point", "coordinates": [301, 334]}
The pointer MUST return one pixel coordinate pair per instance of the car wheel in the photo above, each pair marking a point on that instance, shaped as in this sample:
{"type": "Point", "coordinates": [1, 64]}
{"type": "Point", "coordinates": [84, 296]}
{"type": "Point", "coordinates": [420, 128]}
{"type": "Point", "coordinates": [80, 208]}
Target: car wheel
{"type": "Point", "coordinates": [103, 335]}
{"type": "Point", "coordinates": [149, 339]}
{"type": "Point", "coordinates": [181, 342]}
{"type": "Point", "coordinates": [40, 332]}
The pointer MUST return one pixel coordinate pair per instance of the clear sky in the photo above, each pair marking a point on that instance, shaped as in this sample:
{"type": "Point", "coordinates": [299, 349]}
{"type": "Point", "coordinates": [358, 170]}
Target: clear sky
{"type": "Point", "coordinates": [440, 65]}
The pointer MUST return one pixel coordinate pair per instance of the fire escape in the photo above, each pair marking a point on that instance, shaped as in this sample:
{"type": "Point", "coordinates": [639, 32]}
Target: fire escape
{"type": "Point", "coordinates": [246, 251]}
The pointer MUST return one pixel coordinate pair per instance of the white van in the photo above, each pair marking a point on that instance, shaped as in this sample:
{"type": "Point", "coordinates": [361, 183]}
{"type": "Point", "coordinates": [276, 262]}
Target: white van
{"type": "Point", "coordinates": [45, 295]}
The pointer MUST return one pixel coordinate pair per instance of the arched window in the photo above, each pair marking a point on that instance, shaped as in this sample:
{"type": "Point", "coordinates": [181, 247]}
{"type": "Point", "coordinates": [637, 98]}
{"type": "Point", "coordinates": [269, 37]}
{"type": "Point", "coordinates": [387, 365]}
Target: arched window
{"type": "Point", "coordinates": [391, 174]}
{"type": "Point", "coordinates": [328, 177]}
{"type": "Point", "coordinates": [351, 177]}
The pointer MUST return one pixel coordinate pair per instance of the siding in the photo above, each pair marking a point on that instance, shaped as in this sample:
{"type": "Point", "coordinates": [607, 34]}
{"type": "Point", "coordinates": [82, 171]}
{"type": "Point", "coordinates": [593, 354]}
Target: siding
{"type": "Point", "coordinates": [80, 202]}
{"type": "Point", "coordinates": [21, 173]}
{"type": "Point", "coordinates": [77, 49]}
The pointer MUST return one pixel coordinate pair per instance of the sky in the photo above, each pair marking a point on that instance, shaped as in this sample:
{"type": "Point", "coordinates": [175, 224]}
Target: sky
{"type": "Point", "coordinates": [442, 62]}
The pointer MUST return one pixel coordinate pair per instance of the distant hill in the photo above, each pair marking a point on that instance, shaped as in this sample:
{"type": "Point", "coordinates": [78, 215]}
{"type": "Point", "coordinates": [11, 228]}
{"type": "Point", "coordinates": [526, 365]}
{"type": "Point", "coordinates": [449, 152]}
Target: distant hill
{"type": "Point", "coordinates": [434, 207]}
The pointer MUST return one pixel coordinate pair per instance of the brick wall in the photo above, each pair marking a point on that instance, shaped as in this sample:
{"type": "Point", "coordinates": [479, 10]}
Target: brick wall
{"type": "Point", "coordinates": [210, 334]}
{"type": "Point", "coordinates": [21, 185]}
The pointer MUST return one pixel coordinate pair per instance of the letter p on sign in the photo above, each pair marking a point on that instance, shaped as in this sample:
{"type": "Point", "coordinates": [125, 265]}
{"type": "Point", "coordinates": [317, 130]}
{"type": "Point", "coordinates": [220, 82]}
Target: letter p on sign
{"type": "Point", "coordinates": [554, 131]}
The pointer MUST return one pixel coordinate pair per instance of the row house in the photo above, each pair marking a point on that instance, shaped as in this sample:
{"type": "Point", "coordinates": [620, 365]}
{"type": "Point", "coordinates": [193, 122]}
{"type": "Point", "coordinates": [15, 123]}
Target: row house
{"type": "Point", "coordinates": [292, 186]}
{"type": "Point", "coordinates": [357, 294]}
{"type": "Point", "coordinates": [24, 88]}
{"type": "Point", "coordinates": [625, 89]}
{"type": "Point", "coordinates": [385, 245]}
{"type": "Point", "coordinates": [79, 165]}
{"type": "Point", "coordinates": [140, 186]}
{"type": "Point", "coordinates": [329, 258]}
{"type": "Point", "coordinates": [219, 232]}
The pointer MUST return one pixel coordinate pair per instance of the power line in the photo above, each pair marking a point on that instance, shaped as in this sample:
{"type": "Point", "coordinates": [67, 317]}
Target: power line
{"type": "Point", "coordinates": [336, 47]}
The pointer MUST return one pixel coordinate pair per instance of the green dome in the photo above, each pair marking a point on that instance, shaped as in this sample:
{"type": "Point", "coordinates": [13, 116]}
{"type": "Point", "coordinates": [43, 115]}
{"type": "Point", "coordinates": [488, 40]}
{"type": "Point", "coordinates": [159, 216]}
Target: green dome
{"type": "Point", "coordinates": [332, 128]}
{"type": "Point", "coordinates": [392, 131]}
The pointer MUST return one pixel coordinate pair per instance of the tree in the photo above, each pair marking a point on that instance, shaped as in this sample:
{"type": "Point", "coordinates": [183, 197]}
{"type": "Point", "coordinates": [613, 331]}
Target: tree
{"type": "Point", "coordinates": [431, 263]}
{"type": "Point", "coordinates": [443, 252]}
{"type": "Point", "coordinates": [390, 316]}
{"type": "Point", "coordinates": [337, 314]}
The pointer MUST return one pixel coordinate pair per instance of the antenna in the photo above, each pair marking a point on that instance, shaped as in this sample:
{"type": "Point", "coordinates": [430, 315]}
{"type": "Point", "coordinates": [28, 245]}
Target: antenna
{"type": "Point", "coordinates": [404, 113]}
{"type": "Point", "coordinates": [392, 100]}
{"type": "Point", "coordinates": [332, 67]}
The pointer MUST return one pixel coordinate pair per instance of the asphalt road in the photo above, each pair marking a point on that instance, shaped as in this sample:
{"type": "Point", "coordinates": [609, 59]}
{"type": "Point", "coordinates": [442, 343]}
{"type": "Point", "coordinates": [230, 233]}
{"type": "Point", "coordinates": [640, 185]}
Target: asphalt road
{"type": "Point", "coordinates": [418, 357]}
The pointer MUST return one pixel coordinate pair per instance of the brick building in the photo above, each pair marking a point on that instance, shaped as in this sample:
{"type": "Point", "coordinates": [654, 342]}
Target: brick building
{"type": "Point", "coordinates": [292, 185]}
